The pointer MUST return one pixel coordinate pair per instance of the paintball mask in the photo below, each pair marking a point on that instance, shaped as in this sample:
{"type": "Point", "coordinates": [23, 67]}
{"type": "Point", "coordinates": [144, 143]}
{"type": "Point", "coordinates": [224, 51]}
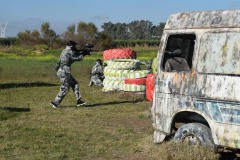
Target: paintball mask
{"type": "Point", "coordinates": [99, 61]}
{"type": "Point", "coordinates": [72, 45]}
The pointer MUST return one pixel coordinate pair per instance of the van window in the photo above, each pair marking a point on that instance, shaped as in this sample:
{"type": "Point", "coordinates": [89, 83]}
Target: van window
{"type": "Point", "coordinates": [219, 53]}
{"type": "Point", "coordinates": [178, 53]}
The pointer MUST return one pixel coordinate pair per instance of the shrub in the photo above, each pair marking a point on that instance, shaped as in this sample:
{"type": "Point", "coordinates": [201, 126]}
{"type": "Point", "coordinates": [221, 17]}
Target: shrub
{"type": "Point", "coordinates": [8, 41]}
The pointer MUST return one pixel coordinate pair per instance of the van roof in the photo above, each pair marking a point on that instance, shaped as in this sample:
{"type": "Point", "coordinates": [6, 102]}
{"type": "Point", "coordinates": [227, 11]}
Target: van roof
{"type": "Point", "coordinates": [204, 19]}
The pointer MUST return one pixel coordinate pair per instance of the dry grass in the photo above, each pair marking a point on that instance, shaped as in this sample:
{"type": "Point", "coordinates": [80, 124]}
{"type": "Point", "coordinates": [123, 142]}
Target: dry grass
{"type": "Point", "coordinates": [171, 150]}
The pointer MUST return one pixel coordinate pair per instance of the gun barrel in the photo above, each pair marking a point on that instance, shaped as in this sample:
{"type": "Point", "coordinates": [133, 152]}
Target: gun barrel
{"type": "Point", "coordinates": [89, 45]}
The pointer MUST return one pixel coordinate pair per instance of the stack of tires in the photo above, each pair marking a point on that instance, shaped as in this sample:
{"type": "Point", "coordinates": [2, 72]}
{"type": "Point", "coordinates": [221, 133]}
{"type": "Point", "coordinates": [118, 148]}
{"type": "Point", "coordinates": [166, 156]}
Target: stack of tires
{"type": "Point", "coordinates": [150, 80]}
{"type": "Point", "coordinates": [150, 86]}
{"type": "Point", "coordinates": [119, 63]}
{"type": "Point", "coordinates": [154, 65]}
{"type": "Point", "coordinates": [135, 81]}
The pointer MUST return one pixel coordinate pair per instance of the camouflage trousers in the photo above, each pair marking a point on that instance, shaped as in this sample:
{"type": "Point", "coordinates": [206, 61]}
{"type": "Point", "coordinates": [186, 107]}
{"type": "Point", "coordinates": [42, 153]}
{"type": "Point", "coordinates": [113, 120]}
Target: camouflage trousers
{"type": "Point", "coordinates": [96, 80]}
{"type": "Point", "coordinates": [67, 81]}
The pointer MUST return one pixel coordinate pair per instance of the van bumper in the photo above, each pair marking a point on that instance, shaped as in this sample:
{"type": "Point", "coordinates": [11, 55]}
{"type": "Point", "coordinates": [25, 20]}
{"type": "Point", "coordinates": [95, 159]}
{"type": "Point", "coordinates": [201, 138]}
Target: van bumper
{"type": "Point", "coordinates": [158, 136]}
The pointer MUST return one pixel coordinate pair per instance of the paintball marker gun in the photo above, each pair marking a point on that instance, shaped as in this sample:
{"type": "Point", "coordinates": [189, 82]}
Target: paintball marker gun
{"type": "Point", "coordinates": [86, 50]}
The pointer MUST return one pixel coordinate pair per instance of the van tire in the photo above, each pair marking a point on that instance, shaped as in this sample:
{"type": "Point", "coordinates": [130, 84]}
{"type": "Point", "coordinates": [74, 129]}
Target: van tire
{"type": "Point", "coordinates": [195, 134]}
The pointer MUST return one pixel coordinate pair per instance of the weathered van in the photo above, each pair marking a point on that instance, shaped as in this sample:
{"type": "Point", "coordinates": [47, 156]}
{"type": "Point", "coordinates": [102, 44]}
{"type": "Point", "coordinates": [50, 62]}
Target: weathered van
{"type": "Point", "coordinates": [197, 85]}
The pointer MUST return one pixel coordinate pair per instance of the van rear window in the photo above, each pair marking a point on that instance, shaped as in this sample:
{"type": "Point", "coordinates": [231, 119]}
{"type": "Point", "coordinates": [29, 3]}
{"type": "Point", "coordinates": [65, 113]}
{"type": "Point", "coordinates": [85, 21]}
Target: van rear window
{"type": "Point", "coordinates": [219, 53]}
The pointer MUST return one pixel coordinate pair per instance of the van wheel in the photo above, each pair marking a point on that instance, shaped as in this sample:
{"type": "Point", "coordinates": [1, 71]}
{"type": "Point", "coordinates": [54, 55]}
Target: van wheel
{"type": "Point", "coordinates": [195, 134]}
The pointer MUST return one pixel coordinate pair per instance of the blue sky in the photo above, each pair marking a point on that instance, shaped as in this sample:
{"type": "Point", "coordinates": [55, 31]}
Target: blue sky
{"type": "Point", "coordinates": [30, 14]}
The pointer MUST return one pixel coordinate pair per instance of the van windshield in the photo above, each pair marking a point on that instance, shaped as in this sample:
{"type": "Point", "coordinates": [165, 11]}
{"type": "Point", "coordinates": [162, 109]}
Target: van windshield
{"type": "Point", "coordinates": [219, 53]}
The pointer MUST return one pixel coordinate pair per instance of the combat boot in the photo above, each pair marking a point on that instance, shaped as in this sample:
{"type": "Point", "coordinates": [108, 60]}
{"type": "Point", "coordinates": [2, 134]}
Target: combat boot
{"type": "Point", "coordinates": [80, 103]}
{"type": "Point", "coordinates": [54, 105]}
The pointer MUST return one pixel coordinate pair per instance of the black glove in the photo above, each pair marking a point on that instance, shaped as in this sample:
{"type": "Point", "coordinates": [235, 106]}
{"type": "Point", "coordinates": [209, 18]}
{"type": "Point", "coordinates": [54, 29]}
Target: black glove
{"type": "Point", "coordinates": [86, 53]}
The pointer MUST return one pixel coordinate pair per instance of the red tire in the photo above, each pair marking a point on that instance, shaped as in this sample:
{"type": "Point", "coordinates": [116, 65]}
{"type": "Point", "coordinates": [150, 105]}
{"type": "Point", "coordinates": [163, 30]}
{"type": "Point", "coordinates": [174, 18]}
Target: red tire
{"type": "Point", "coordinates": [150, 86]}
{"type": "Point", "coordinates": [119, 54]}
{"type": "Point", "coordinates": [137, 81]}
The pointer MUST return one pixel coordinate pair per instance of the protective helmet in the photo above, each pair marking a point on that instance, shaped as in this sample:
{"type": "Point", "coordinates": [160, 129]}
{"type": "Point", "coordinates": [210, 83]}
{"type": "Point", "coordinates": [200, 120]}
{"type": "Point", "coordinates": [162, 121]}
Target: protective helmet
{"type": "Point", "coordinates": [99, 61]}
{"type": "Point", "coordinates": [71, 44]}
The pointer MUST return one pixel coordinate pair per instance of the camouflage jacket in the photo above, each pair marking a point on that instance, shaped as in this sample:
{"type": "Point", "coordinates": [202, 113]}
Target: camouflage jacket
{"type": "Point", "coordinates": [97, 70]}
{"type": "Point", "coordinates": [67, 58]}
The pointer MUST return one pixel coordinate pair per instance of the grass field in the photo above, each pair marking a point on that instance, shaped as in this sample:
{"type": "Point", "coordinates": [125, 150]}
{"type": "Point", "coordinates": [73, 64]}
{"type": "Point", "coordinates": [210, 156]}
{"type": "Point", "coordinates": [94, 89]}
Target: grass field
{"type": "Point", "coordinates": [110, 126]}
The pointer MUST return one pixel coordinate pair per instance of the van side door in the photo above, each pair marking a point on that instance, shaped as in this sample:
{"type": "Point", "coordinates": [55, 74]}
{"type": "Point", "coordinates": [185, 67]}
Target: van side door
{"type": "Point", "coordinates": [176, 78]}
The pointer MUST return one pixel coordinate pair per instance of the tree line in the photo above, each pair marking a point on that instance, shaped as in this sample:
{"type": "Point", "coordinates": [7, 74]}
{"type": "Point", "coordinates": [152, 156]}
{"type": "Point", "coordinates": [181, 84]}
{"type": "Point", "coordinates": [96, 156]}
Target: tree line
{"type": "Point", "coordinates": [112, 35]}
{"type": "Point", "coordinates": [143, 30]}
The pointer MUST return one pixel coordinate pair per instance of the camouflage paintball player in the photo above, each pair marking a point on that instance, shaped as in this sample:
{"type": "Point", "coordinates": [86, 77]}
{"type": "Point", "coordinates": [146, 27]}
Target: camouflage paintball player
{"type": "Point", "coordinates": [97, 76]}
{"type": "Point", "coordinates": [68, 56]}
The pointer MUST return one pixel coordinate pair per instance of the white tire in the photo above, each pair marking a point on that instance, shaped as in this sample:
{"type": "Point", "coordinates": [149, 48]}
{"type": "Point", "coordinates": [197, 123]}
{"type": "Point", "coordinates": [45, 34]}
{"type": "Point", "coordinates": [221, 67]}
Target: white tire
{"type": "Point", "coordinates": [112, 84]}
{"type": "Point", "coordinates": [132, 88]}
{"type": "Point", "coordinates": [115, 72]}
{"type": "Point", "coordinates": [138, 74]}
{"type": "Point", "coordinates": [110, 78]}
{"type": "Point", "coordinates": [105, 89]}
{"type": "Point", "coordinates": [121, 65]}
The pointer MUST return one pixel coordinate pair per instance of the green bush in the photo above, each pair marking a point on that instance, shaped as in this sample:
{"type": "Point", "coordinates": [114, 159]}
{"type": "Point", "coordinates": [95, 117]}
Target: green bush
{"type": "Point", "coordinates": [8, 41]}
